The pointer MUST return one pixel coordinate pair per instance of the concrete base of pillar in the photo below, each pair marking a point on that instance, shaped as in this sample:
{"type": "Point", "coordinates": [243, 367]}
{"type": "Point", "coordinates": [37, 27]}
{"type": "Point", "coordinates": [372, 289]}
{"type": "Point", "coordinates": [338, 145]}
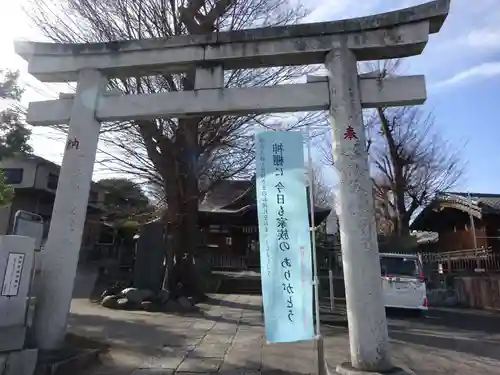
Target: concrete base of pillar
{"type": "Point", "coordinates": [346, 368]}
{"type": "Point", "coordinates": [22, 362]}
{"type": "Point", "coordinates": [12, 338]}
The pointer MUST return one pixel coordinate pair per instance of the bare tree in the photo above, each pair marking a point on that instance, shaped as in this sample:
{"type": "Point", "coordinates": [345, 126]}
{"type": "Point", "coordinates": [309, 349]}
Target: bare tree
{"type": "Point", "coordinates": [385, 216]}
{"type": "Point", "coordinates": [410, 161]}
{"type": "Point", "coordinates": [322, 192]}
{"type": "Point", "coordinates": [181, 156]}
{"type": "Point", "coordinates": [413, 161]}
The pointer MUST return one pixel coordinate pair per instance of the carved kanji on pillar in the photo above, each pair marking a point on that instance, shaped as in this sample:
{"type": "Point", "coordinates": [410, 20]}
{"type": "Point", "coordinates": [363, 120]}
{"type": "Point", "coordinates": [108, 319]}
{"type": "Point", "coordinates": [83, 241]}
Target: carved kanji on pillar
{"type": "Point", "coordinates": [72, 143]}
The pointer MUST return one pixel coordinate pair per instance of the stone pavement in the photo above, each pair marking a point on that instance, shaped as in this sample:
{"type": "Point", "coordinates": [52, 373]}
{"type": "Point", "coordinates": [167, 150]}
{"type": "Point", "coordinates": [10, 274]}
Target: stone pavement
{"type": "Point", "coordinates": [228, 339]}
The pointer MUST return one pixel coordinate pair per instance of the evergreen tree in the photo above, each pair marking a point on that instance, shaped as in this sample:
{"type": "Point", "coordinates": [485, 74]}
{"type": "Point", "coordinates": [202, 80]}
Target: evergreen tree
{"type": "Point", "coordinates": [14, 135]}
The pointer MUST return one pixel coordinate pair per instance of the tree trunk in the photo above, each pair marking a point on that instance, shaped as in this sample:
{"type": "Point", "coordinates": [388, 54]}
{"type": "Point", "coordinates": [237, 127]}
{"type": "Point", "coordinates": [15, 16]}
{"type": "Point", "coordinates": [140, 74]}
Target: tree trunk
{"type": "Point", "coordinates": [182, 279]}
{"type": "Point", "coordinates": [171, 222]}
{"type": "Point", "coordinates": [188, 276]}
{"type": "Point", "coordinates": [403, 228]}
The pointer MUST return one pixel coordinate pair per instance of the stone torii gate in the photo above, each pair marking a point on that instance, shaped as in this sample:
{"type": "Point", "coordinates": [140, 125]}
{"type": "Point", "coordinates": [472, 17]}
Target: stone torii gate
{"type": "Point", "coordinates": [338, 45]}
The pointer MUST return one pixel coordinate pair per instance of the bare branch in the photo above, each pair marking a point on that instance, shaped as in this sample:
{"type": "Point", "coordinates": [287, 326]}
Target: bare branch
{"type": "Point", "coordinates": [225, 144]}
{"type": "Point", "coordinates": [414, 159]}
{"type": "Point", "coordinates": [410, 161]}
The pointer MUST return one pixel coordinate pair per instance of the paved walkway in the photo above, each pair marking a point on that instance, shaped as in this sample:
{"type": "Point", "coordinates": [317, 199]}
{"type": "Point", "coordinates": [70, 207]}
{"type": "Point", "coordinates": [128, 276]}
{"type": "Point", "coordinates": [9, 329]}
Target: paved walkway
{"type": "Point", "coordinates": [228, 338]}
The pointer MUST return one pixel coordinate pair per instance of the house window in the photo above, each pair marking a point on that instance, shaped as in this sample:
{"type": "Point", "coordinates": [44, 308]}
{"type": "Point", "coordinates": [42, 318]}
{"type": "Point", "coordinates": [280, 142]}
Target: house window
{"type": "Point", "coordinates": [52, 180]}
{"type": "Point", "coordinates": [214, 229]}
{"type": "Point", "coordinates": [13, 175]}
{"type": "Point", "coordinates": [217, 229]}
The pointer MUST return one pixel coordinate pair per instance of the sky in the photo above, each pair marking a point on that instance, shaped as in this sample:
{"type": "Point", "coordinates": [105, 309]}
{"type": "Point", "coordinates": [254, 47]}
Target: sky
{"type": "Point", "coordinates": [461, 65]}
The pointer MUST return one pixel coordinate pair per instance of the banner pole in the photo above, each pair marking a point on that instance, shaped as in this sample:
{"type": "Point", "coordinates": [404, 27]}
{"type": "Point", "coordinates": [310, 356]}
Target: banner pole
{"type": "Point", "coordinates": [319, 339]}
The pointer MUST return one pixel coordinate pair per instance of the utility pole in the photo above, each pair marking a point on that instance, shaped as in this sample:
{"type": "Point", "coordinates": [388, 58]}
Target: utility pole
{"type": "Point", "coordinates": [320, 350]}
{"type": "Point", "coordinates": [473, 229]}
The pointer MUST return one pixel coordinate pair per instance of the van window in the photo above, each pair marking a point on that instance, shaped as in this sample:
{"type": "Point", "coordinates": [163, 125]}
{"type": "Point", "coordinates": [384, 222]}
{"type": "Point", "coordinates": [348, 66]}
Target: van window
{"type": "Point", "coordinates": [399, 266]}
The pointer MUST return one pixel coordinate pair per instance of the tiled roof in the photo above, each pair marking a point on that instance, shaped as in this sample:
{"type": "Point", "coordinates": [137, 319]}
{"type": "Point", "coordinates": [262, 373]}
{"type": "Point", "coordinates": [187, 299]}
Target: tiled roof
{"type": "Point", "coordinates": [235, 196]}
{"type": "Point", "coordinates": [224, 193]}
{"type": "Point", "coordinates": [477, 205]}
{"type": "Point", "coordinates": [486, 203]}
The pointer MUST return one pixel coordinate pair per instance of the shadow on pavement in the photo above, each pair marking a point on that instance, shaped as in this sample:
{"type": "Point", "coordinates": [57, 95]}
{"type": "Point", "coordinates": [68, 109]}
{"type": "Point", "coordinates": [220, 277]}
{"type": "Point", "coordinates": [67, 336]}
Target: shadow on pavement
{"type": "Point", "coordinates": [465, 319]}
{"type": "Point", "coordinates": [245, 368]}
{"type": "Point", "coordinates": [429, 339]}
{"type": "Point", "coordinates": [214, 301]}
{"type": "Point", "coordinates": [474, 333]}
{"type": "Point", "coordinates": [126, 334]}
{"type": "Point", "coordinates": [458, 330]}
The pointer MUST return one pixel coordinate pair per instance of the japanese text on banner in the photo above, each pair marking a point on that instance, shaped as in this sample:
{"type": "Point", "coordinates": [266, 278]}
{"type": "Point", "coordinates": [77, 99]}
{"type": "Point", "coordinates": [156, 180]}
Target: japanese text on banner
{"type": "Point", "coordinates": [284, 237]}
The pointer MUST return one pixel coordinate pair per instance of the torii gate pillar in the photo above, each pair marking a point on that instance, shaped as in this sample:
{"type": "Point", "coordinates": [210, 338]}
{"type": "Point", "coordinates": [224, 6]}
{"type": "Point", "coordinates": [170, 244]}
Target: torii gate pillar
{"type": "Point", "coordinates": [60, 258]}
{"type": "Point", "coordinates": [368, 337]}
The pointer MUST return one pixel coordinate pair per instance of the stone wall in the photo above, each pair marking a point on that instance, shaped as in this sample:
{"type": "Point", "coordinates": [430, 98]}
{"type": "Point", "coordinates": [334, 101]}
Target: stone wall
{"type": "Point", "coordinates": [442, 297]}
{"type": "Point", "coordinates": [481, 292]}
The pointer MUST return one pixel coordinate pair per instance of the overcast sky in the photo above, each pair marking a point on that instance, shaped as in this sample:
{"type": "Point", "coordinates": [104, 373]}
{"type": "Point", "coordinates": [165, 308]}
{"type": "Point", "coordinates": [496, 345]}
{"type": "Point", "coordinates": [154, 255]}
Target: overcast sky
{"type": "Point", "coordinates": [461, 64]}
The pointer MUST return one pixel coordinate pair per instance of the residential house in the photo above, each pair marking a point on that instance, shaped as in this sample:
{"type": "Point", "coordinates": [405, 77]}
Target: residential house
{"type": "Point", "coordinates": [34, 180]}
{"type": "Point", "coordinates": [450, 213]}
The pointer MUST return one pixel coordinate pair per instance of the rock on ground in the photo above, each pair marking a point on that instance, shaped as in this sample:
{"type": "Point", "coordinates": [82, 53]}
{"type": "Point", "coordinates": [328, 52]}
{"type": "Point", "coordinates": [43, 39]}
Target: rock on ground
{"type": "Point", "coordinates": [148, 306]}
{"type": "Point", "coordinates": [122, 303]}
{"type": "Point", "coordinates": [110, 302]}
{"type": "Point", "coordinates": [185, 302]}
{"type": "Point", "coordinates": [163, 296]}
{"type": "Point", "coordinates": [135, 295]}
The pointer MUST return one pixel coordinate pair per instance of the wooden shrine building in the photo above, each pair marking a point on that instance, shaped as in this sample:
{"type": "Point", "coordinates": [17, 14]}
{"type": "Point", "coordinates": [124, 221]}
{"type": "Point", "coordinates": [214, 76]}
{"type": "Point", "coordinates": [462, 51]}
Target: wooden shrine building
{"type": "Point", "coordinates": [228, 225]}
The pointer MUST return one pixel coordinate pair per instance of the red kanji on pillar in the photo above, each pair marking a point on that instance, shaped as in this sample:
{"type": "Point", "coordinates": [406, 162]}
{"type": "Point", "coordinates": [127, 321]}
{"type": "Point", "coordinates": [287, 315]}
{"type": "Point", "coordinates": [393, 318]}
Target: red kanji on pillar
{"type": "Point", "coordinates": [350, 133]}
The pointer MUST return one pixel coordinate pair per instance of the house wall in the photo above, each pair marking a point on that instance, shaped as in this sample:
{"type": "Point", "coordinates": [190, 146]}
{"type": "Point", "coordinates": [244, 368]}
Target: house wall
{"type": "Point", "coordinates": [46, 173]}
{"type": "Point", "coordinates": [462, 238]}
{"type": "Point", "coordinates": [216, 238]}
{"type": "Point", "coordinates": [29, 171]}
{"type": "Point", "coordinates": [42, 177]}
{"type": "Point", "coordinates": [91, 231]}
{"type": "Point", "coordinates": [225, 240]}
{"type": "Point", "coordinates": [26, 201]}
{"type": "Point", "coordinates": [493, 232]}
{"type": "Point", "coordinates": [36, 193]}
{"type": "Point", "coordinates": [31, 202]}
{"type": "Point", "coordinates": [480, 292]}
{"type": "Point", "coordinates": [42, 206]}
{"type": "Point", "coordinates": [455, 232]}
{"type": "Point", "coordinates": [4, 219]}
{"type": "Point", "coordinates": [37, 174]}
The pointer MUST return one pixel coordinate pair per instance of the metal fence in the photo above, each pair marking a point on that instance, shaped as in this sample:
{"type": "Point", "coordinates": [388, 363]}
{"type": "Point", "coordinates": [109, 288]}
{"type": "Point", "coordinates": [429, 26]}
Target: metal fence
{"type": "Point", "coordinates": [449, 262]}
{"type": "Point", "coordinates": [226, 261]}
{"type": "Point", "coordinates": [442, 269]}
{"type": "Point", "coordinates": [462, 261]}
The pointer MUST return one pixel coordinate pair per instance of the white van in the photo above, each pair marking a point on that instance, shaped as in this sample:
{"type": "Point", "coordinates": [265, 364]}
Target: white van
{"type": "Point", "coordinates": [403, 282]}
